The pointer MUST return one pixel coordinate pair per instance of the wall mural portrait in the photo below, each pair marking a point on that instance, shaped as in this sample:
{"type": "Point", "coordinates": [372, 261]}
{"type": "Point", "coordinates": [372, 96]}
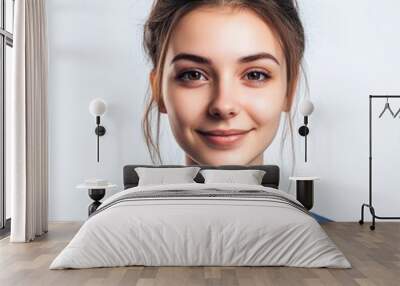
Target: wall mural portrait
{"type": "Point", "coordinates": [223, 72]}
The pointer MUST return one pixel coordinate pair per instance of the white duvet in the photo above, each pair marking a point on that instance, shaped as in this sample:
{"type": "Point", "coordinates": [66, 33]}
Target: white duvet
{"type": "Point", "coordinates": [200, 231]}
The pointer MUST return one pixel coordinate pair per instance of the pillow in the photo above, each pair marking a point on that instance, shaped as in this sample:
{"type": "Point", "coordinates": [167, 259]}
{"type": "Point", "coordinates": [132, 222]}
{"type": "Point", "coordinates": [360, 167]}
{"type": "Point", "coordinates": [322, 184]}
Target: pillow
{"type": "Point", "coordinates": [249, 176]}
{"type": "Point", "coordinates": [161, 176]}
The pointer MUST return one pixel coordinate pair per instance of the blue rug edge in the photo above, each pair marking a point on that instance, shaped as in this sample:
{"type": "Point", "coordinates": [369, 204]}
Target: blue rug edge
{"type": "Point", "coordinates": [320, 218]}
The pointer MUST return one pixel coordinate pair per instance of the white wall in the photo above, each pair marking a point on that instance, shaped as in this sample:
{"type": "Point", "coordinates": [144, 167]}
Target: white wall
{"type": "Point", "coordinates": [352, 51]}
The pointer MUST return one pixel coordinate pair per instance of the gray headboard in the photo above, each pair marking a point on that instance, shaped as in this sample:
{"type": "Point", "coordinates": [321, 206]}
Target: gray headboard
{"type": "Point", "coordinates": [270, 179]}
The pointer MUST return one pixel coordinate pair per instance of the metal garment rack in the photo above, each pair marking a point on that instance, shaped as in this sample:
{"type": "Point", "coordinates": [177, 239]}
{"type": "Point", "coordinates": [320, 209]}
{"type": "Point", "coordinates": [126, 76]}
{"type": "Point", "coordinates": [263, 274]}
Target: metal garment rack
{"type": "Point", "coordinates": [369, 205]}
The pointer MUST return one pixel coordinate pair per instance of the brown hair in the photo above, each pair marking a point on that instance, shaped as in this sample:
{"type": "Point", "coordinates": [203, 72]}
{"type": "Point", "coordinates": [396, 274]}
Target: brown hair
{"type": "Point", "coordinates": [280, 15]}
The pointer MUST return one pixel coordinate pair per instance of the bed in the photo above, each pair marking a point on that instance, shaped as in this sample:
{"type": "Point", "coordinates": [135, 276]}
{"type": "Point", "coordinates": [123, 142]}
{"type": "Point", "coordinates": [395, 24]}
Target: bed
{"type": "Point", "coordinates": [201, 224]}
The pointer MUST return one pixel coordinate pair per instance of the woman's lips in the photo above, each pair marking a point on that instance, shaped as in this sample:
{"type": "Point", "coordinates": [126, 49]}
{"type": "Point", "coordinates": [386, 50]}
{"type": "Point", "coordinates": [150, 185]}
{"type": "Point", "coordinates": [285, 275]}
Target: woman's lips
{"type": "Point", "coordinates": [223, 138]}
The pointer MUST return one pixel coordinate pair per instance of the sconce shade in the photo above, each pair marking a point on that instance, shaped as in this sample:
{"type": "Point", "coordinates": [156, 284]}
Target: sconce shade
{"type": "Point", "coordinates": [307, 107]}
{"type": "Point", "coordinates": [97, 107]}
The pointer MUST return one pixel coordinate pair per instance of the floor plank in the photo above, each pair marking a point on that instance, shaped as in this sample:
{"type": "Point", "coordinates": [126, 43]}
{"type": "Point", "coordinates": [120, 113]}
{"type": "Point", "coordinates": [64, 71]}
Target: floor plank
{"type": "Point", "coordinates": [374, 255]}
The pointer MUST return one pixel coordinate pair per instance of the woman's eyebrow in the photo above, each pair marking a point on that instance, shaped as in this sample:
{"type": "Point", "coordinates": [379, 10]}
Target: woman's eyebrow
{"type": "Point", "coordinates": [203, 60]}
{"type": "Point", "coordinates": [258, 56]}
{"type": "Point", "coordinates": [192, 58]}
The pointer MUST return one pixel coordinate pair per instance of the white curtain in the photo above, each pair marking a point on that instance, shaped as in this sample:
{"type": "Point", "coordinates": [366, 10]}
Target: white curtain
{"type": "Point", "coordinates": [27, 121]}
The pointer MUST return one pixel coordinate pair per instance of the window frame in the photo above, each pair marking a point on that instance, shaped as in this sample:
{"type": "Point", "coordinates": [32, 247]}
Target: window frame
{"type": "Point", "coordinates": [6, 39]}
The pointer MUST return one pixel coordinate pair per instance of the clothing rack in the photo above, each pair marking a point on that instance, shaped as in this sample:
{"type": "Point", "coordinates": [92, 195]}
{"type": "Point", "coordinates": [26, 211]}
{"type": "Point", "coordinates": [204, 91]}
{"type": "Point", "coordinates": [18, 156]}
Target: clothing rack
{"type": "Point", "coordinates": [369, 205]}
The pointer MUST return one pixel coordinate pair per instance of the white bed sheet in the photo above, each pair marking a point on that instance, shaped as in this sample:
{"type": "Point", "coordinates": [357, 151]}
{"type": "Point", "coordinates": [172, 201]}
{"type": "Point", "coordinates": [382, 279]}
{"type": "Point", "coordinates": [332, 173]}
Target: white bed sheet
{"type": "Point", "coordinates": [200, 232]}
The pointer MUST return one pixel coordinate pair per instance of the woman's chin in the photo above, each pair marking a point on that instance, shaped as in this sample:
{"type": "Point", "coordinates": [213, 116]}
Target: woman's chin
{"type": "Point", "coordinates": [224, 159]}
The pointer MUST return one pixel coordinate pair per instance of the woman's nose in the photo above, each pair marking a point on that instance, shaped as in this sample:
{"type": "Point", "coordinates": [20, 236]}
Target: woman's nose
{"type": "Point", "coordinates": [224, 104]}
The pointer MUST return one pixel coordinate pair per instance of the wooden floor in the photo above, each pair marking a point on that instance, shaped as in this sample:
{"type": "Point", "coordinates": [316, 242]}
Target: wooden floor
{"type": "Point", "coordinates": [374, 255]}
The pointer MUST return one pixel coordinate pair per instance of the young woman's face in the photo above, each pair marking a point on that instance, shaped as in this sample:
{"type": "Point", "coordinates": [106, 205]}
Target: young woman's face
{"type": "Point", "coordinates": [224, 86]}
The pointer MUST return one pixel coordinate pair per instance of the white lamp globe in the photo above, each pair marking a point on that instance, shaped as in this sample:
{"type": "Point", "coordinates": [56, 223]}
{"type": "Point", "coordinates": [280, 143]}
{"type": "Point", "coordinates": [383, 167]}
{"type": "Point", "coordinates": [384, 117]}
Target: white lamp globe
{"type": "Point", "coordinates": [97, 107]}
{"type": "Point", "coordinates": [306, 107]}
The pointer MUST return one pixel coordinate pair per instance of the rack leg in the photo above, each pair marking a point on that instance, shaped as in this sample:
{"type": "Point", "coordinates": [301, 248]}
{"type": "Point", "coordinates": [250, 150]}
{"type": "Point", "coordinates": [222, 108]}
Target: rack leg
{"type": "Point", "coordinates": [361, 221]}
{"type": "Point", "coordinates": [372, 210]}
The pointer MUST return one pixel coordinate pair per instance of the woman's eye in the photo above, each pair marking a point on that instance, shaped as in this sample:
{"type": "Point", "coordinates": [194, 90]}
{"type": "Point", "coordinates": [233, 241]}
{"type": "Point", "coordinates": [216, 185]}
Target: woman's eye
{"type": "Point", "coordinates": [257, 75]}
{"type": "Point", "coordinates": [191, 75]}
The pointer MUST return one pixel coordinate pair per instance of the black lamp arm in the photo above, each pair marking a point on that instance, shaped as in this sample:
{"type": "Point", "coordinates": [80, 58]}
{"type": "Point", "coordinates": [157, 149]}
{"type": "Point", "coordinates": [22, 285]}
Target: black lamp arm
{"type": "Point", "coordinates": [100, 131]}
{"type": "Point", "coordinates": [305, 120]}
{"type": "Point", "coordinates": [303, 131]}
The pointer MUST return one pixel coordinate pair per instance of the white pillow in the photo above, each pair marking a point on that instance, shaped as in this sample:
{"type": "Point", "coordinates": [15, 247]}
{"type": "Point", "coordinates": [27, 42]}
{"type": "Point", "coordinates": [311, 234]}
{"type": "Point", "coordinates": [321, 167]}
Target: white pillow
{"type": "Point", "coordinates": [162, 176]}
{"type": "Point", "coordinates": [249, 176]}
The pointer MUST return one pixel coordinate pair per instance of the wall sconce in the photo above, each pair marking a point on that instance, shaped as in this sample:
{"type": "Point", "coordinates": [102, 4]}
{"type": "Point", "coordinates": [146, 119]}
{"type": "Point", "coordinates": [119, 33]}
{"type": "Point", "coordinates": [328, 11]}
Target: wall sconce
{"type": "Point", "coordinates": [306, 108]}
{"type": "Point", "coordinates": [97, 108]}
